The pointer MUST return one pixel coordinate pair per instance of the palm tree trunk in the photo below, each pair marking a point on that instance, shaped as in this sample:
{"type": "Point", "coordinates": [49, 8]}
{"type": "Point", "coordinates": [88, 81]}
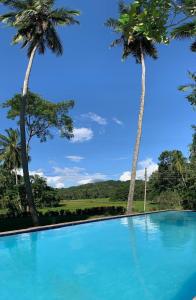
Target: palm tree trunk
{"type": "Point", "coordinates": [24, 155]}
{"type": "Point", "coordinates": [16, 176]}
{"type": "Point", "coordinates": [138, 138]}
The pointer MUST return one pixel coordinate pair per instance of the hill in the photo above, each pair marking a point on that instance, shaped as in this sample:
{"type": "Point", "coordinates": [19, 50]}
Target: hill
{"type": "Point", "coordinates": [115, 190]}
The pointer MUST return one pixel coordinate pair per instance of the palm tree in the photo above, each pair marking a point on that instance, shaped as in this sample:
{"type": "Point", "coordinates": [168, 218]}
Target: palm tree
{"type": "Point", "coordinates": [186, 30]}
{"type": "Point", "coordinates": [190, 87]}
{"type": "Point", "coordinates": [35, 22]}
{"type": "Point", "coordinates": [137, 33]}
{"type": "Point", "coordinates": [10, 151]}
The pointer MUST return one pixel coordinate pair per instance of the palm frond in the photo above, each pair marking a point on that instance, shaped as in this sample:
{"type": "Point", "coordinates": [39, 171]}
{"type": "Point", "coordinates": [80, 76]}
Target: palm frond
{"type": "Point", "coordinates": [113, 23]}
{"type": "Point", "coordinates": [15, 4]}
{"type": "Point", "coordinates": [185, 31]}
{"type": "Point", "coordinates": [117, 42]}
{"type": "Point", "coordinates": [18, 38]}
{"type": "Point", "coordinates": [149, 48]}
{"type": "Point", "coordinates": [192, 76]}
{"type": "Point", "coordinates": [8, 18]}
{"type": "Point", "coordinates": [123, 7]}
{"type": "Point", "coordinates": [53, 41]}
{"type": "Point", "coordinates": [64, 17]}
{"type": "Point", "coordinates": [41, 46]}
{"type": "Point", "coordinates": [31, 46]}
{"type": "Point", "coordinates": [193, 47]}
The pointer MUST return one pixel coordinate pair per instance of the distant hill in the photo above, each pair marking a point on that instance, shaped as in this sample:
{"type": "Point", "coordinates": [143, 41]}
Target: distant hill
{"type": "Point", "coordinates": [115, 190]}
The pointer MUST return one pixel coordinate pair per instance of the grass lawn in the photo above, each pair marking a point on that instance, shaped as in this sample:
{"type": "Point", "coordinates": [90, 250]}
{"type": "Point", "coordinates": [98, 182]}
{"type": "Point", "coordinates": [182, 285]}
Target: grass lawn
{"type": "Point", "coordinates": [72, 205]}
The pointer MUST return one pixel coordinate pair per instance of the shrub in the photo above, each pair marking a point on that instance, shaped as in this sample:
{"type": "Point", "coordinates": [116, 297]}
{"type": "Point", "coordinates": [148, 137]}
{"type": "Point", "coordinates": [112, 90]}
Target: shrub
{"type": "Point", "coordinates": [16, 221]}
{"type": "Point", "coordinates": [168, 199]}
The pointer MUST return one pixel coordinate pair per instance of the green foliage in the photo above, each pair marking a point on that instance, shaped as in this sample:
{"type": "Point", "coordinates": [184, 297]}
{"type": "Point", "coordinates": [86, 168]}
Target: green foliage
{"type": "Point", "coordinates": [10, 149]}
{"type": "Point", "coordinates": [187, 9]}
{"type": "Point", "coordinates": [120, 193]}
{"type": "Point", "coordinates": [115, 190]}
{"type": "Point", "coordinates": [36, 22]}
{"type": "Point", "coordinates": [171, 173]}
{"type": "Point", "coordinates": [168, 200]}
{"type": "Point", "coordinates": [44, 195]}
{"type": "Point", "coordinates": [191, 87]}
{"type": "Point", "coordinates": [175, 179]}
{"type": "Point", "coordinates": [140, 25]}
{"type": "Point", "coordinates": [13, 221]}
{"type": "Point", "coordinates": [193, 149]}
{"type": "Point", "coordinates": [13, 197]}
{"type": "Point", "coordinates": [42, 116]}
{"type": "Point", "coordinates": [7, 182]}
{"type": "Point", "coordinates": [189, 192]}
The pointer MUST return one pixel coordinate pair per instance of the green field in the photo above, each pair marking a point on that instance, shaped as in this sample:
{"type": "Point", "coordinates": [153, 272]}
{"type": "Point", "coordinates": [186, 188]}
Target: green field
{"type": "Point", "coordinates": [72, 205]}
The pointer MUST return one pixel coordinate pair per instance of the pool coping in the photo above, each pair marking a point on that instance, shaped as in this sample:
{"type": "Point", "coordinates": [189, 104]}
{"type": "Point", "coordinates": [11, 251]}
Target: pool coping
{"type": "Point", "coordinates": [74, 223]}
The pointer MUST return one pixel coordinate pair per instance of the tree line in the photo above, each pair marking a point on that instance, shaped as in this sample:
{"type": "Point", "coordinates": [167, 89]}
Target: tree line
{"type": "Point", "coordinates": [172, 185]}
{"type": "Point", "coordinates": [140, 27]}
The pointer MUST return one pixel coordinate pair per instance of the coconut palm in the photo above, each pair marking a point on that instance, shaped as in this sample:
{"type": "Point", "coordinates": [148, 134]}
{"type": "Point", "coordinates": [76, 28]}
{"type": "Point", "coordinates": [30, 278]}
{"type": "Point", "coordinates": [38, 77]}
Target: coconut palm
{"type": "Point", "coordinates": [35, 22]}
{"type": "Point", "coordinates": [138, 34]}
{"type": "Point", "coordinates": [10, 151]}
{"type": "Point", "coordinates": [190, 87]}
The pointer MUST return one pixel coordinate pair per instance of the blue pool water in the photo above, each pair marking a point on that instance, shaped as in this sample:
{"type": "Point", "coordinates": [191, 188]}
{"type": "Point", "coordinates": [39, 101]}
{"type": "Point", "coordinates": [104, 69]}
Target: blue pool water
{"type": "Point", "coordinates": [149, 257]}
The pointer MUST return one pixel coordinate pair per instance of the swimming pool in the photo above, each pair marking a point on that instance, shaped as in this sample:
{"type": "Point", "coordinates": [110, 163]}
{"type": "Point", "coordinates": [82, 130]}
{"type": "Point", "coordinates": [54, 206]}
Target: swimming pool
{"type": "Point", "coordinates": [143, 257]}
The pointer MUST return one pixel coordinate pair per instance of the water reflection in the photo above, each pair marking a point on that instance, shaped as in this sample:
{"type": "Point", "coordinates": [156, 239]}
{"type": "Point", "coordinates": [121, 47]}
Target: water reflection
{"type": "Point", "coordinates": [176, 229]}
{"type": "Point", "coordinates": [163, 248]}
{"type": "Point", "coordinates": [132, 224]}
{"type": "Point", "coordinates": [18, 258]}
{"type": "Point", "coordinates": [143, 223]}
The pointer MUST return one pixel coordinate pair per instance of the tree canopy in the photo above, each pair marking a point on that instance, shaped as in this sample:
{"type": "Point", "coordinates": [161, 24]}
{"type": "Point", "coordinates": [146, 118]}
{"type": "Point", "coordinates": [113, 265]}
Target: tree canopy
{"type": "Point", "coordinates": [42, 116]}
{"type": "Point", "coordinates": [36, 22]}
{"type": "Point", "coordinates": [141, 23]}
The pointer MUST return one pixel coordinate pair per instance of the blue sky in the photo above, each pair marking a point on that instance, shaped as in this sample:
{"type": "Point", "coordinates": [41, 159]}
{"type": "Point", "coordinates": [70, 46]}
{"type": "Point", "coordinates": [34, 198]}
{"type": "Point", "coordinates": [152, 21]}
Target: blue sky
{"type": "Point", "coordinates": [106, 93]}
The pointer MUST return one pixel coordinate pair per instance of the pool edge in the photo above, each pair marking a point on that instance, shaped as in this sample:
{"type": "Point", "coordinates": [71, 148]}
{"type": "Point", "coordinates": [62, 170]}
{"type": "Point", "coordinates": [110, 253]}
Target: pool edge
{"type": "Point", "coordinates": [67, 224]}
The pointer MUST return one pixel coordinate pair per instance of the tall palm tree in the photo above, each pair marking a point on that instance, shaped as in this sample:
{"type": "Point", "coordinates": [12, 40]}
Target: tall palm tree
{"type": "Point", "coordinates": [35, 22]}
{"type": "Point", "coordinates": [137, 42]}
{"type": "Point", "coordinates": [10, 151]}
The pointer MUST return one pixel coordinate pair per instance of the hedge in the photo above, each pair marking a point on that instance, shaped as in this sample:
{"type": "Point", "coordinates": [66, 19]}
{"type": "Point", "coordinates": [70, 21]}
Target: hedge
{"type": "Point", "coordinates": [15, 221]}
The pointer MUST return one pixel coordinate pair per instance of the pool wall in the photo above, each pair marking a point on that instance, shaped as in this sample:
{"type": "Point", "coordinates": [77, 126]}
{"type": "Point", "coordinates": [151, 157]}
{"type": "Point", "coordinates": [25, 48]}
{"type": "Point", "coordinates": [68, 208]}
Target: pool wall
{"type": "Point", "coordinates": [60, 225]}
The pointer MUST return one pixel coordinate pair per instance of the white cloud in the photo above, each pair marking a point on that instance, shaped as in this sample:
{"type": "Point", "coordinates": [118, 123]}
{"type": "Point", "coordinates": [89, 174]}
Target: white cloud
{"type": "Point", "coordinates": [76, 176]}
{"type": "Point", "coordinates": [75, 158]}
{"type": "Point", "coordinates": [59, 185]}
{"type": "Point", "coordinates": [38, 172]}
{"type": "Point", "coordinates": [147, 163]}
{"type": "Point", "coordinates": [117, 121]}
{"type": "Point", "coordinates": [125, 176]}
{"type": "Point", "coordinates": [96, 118]}
{"type": "Point", "coordinates": [82, 135]}
{"type": "Point", "coordinates": [55, 181]}
{"type": "Point", "coordinates": [92, 178]}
